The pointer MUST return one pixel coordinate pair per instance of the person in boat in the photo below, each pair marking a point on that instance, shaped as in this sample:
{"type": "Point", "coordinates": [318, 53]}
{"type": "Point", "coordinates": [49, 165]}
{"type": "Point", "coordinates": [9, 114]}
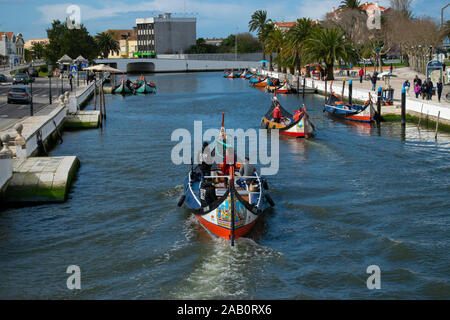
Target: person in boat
{"type": "Point", "coordinates": [247, 170]}
{"type": "Point", "coordinates": [276, 110]}
{"type": "Point", "coordinates": [207, 192]}
{"type": "Point", "coordinates": [298, 113]}
{"type": "Point", "coordinates": [205, 160]}
{"type": "Point", "coordinates": [230, 161]}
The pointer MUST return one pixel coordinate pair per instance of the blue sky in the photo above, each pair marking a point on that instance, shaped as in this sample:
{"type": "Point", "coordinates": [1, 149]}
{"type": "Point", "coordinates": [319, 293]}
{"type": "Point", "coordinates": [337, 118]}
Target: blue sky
{"type": "Point", "coordinates": [215, 18]}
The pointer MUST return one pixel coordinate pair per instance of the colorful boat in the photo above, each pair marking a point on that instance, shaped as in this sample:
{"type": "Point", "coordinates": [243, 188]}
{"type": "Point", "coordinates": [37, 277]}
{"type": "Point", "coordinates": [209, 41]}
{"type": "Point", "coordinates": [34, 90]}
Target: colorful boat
{"type": "Point", "coordinates": [284, 88]}
{"type": "Point", "coordinates": [260, 83]}
{"type": "Point", "coordinates": [145, 88]}
{"type": "Point", "coordinates": [229, 75]}
{"type": "Point", "coordinates": [302, 127]}
{"type": "Point", "coordinates": [353, 112]}
{"type": "Point", "coordinates": [123, 88]}
{"type": "Point", "coordinates": [233, 206]}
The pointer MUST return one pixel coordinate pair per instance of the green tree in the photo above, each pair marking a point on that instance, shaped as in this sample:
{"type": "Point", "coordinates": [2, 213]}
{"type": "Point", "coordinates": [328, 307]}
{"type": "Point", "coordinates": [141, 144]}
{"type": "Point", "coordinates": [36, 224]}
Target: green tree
{"type": "Point", "coordinates": [327, 46]}
{"type": "Point", "coordinates": [262, 25]}
{"type": "Point", "coordinates": [275, 43]}
{"type": "Point", "coordinates": [73, 42]}
{"type": "Point", "coordinates": [106, 44]}
{"type": "Point", "coordinates": [38, 50]}
{"type": "Point", "coordinates": [350, 4]}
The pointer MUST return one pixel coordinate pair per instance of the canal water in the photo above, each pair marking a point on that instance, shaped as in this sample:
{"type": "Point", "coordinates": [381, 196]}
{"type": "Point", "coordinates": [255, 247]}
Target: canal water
{"type": "Point", "coordinates": [353, 196]}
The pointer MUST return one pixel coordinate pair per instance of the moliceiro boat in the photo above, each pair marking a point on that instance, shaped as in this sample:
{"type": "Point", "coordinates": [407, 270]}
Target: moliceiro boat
{"type": "Point", "coordinates": [299, 126]}
{"type": "Point", "coordinates": [124, 87]}
{"type": "Point", "coordinates": [226, 204]}
{"type": "Point", "coordinates": [353, 112]}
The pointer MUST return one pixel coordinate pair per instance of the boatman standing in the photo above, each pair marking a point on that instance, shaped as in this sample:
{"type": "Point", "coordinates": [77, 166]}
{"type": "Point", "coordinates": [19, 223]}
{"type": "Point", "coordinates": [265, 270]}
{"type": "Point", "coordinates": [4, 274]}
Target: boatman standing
{"type": "Point", "coordinates": [276, 110]}
{"type": "Point", "coordinates": [204, 159]}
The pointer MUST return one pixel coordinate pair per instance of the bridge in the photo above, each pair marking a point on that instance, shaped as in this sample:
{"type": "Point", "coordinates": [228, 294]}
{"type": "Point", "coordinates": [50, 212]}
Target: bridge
{"type": "Point", "coordinates": [140, 65]}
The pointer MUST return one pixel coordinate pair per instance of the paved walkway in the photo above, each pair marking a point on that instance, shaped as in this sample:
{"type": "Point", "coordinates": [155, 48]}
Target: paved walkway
{"type": "Point", "coordinates": [396, 82]}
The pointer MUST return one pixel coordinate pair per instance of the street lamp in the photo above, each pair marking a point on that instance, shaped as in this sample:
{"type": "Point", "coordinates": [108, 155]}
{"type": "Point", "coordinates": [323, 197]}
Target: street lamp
{"type": "Point", "coordinates": [50, 70]}
{"type": "Point", "coordinates": [30, 71]}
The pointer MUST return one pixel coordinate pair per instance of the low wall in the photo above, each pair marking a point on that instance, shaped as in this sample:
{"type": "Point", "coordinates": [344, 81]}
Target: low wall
{"type": "Point", "coordinates": [6, 169]}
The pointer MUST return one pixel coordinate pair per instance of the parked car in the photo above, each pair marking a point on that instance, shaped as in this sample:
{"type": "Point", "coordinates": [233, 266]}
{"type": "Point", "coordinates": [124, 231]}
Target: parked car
{"type": "Point", "coordinates": [22, 78]}
{"type": "Point", "coordinates": [3, 78]}
{"type": "Point", "coordinates": [19, 94]}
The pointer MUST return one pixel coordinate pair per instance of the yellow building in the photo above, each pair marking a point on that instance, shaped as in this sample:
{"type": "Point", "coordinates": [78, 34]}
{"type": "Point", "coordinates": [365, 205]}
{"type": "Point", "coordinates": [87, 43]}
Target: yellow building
{"type": "Point", "coordinates": [127, 43]}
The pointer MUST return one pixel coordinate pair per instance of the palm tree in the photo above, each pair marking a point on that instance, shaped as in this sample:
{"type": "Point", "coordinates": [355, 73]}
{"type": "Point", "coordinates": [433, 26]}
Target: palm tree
{"type": "Point", "coordinates": [275, 44]}
{"type": "Point", "coordinates": [106, 44]}
{"type": "Point", "coordinates": [327, 46]}
{"type": "Point", "coordinates": [296, 37]}
{"type": "Point", "coordinates": [259, 23]}
{"type": "Point", "coordinates": [350, 4]}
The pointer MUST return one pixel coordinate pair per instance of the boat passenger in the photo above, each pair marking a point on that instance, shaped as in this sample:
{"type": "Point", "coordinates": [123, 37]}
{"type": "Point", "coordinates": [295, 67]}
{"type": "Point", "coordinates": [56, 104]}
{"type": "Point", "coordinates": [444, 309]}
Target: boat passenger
{"type": "Point", "coordinates": [277, 113]}
{"type": "Point", "coordinates": [298, 114]}
{"type": "Point", "coordinates": [247, 170]}
{"type": "Point", "coordinates": [207, 193]}
{"type": "Point", "coordinates": [204, 159]}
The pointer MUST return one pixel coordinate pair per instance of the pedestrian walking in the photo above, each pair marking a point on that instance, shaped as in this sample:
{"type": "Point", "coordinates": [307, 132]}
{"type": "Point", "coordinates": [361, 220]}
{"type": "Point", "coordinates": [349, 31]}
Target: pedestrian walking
{"type": "Point", "coordinates": [391, 68]}
{"type": "Point", "coordinates": [439, 89]}
{"type": "Point", "coordinates": [406, 86]}
{"type": "Point", "coordinates": [70, 76]}
{"type": "Point", "coordinates": [417, 80]}
{"type": "Point", "coordinates": [374, 81]}
{"type": "Point", "coordinates": [424, 90]}
{"type": "Point", "coordinates": [361, 75]}
{"type": "Point", "coordinates": [430, 89]}
{"type": "Point", "coordinates": [417, 89]}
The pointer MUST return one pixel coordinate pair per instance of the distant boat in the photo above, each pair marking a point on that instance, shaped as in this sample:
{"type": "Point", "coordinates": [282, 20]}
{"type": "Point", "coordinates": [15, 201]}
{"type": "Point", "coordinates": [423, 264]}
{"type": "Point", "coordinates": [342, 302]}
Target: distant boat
{"type": "Point", "coordinates": [123, 87]}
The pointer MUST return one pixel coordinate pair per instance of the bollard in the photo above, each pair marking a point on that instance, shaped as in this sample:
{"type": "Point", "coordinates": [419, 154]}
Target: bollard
{"type": "Point", "coordinates": [350, 89]}
{"type": "Point", "coordinates": [5, 141]}
{"type": "Point", "coordinates": [20, 142]}
{"type": "Point", "coordinates": [437, 125]}
{"type": "Point", "coordinates": [403, 107]}
{"type": "Point", "coordinates": [379, 104]}
{"type": "Point", "coordinates": [298, 85]}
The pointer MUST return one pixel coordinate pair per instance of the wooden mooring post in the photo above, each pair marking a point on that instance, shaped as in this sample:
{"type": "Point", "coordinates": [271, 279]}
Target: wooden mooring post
{"type": "Point", "coordinates": [437, 126]}
{"type": "Point", "coordinates": [350, 89]}
{"type": "Point", "coordinates": [304, 84]}
{"type": "Point", "coordinates": [420, 116]}
{"type": "Point", "coordinates": [403, 107]}
{"type": "Point", "coordinates": [379, 104]}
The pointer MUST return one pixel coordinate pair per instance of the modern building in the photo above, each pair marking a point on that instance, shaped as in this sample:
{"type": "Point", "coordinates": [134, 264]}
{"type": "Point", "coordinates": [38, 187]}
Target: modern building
{"type": "Point", "coordinates": [11, 47]}
{"type": "Point", "coordinates": [165, 35]}
{"type": "Point", "coordinates": [127, 42]}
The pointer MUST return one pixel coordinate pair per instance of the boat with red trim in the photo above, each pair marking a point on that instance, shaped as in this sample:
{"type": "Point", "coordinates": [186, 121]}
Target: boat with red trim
{"type": "Point", "coordinates": [225, 204]}
{"type": "Point", "coordinates": [298, 125]}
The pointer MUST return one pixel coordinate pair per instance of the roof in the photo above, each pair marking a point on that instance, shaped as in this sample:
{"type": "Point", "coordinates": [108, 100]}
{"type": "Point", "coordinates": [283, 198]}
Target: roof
{"type": "Point", "coordinates": [8, 34]}
{"type": "Point", "coordinates": [371, 6]}
{"type": "Point", "coordinates": [285, 24]}
{"type": "Point", "coordinates": [118, 33]}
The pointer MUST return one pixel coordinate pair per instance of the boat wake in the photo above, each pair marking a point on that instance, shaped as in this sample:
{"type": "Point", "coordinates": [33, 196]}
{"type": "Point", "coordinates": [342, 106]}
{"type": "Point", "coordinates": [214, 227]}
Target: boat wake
{"type": "Point", "coordinates": [225, 272]}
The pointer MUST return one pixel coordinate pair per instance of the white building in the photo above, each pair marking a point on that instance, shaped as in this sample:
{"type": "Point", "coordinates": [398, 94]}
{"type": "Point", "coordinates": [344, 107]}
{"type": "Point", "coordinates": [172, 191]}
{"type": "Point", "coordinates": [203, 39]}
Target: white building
{"type": "Point", "coordinates": [165, 34]}
{"type": "Point", "coordinates": [12, 47]}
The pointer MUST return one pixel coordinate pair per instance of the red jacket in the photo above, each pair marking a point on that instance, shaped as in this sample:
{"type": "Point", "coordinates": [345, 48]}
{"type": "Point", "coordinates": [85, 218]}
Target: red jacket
{"type": "Point", "coordinates": [276, 113]}
{"type": "Point", "coordinates": [297, 115]}
{"type": "Point", "coordinates": [361, 72]}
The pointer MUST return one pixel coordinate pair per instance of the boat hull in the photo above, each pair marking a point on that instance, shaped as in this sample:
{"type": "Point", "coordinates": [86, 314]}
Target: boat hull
{"type": "Point", "coordinates": [300, 129]}
{"type": "Point", "coordinates": [364, 116]}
